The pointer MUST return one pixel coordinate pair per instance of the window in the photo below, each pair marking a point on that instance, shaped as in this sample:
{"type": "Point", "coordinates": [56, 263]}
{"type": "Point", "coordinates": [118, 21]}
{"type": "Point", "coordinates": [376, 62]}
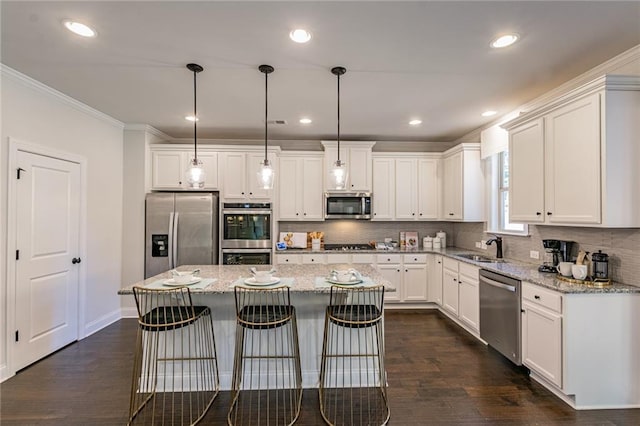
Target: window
{"type": "Point", "coordinates": [499, 216]}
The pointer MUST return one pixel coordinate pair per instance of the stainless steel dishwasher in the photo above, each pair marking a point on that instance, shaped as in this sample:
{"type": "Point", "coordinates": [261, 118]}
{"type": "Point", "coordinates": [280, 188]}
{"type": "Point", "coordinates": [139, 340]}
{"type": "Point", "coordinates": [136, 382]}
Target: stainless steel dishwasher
{"type": "Point", "coordinates": [500, 314]}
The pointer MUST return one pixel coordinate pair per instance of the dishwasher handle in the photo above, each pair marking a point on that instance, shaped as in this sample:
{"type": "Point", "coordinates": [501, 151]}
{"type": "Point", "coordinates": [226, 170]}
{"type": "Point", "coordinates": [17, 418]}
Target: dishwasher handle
{"type": "Point", "coordinates": [498, 284]}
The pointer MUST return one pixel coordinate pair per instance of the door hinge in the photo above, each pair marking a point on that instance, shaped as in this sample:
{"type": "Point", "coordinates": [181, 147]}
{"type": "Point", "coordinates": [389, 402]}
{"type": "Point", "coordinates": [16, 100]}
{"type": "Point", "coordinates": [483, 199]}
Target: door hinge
{"type": "Point", "coordinates": [17, 335]}
{"type": "Point", "coordinates": [20, 169]}
{"type": "Point", "coordinates": [17, 254]}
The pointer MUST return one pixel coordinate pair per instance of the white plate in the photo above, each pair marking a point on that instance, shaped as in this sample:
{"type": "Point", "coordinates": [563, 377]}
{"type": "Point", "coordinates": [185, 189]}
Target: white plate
{"type": "Point", "coordinates": [173, 283]}
{"type": "Point", "coordinates": [252, 281]}
{"type": "Point", "coordinates": [350, 282]}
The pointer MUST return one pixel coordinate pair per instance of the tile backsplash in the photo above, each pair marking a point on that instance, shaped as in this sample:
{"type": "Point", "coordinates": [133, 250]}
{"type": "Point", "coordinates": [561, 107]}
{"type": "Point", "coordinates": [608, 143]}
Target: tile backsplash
{"type": "Point", "coordinates": [622, 245]}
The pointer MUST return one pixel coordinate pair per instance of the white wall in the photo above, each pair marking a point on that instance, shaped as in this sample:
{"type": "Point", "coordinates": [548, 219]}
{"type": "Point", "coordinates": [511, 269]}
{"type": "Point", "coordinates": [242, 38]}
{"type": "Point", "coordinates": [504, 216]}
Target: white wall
{"type": "Point", "coordinates": [40, 115]}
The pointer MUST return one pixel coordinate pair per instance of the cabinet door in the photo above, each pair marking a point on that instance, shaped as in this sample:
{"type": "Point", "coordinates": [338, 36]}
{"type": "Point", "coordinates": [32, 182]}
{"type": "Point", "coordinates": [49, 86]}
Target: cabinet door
{"type": "Point", "coordinates": [253, 166]}
{"type": "Point", "coordinates": [415, 283]}
{"type": "Point", "coordinates": [428, 189]}
{"type": "Point", "coordinates": [291, 259]}
{"type": "Point", "coordinates": [469, 302]}
{"type": "Point", "coordinates": [235, 175]}
{"type": "Point", "coordinates": [452, 192]}
{"type": "Point", "coordinates": [450, 290]}
{"type": "Point", "coordinates": [210, 167]}
{"type": "Point", "coordinates": [572, 160]}
{"type": "Point", "coordinates": [526, 173]}
{"type": "Point", "coordinates": [311, 191]}
{"type": "Point", "coordinates": [290, 192]}
{"type": "Point", "coordinates": [392, 273]}
{"type": "Point", "coordinates": [383, 188]}
{"type": "Point", "coordinates": [167, 169]}
{"type": "Point", "coordinates": [542, 342]}
{"type": "Point", "coordinates": [434, 274]}
{"type": "Point", "coordinates": [330, 157]}
{"type": "Point", "coordinates": [359, 169]}
{"type": "Point", "coordinates": [406, 192]}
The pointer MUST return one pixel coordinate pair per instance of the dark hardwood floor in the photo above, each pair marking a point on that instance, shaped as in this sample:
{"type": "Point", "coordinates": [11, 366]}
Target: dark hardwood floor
{"type": "Point", "coordinates": [438, 374]}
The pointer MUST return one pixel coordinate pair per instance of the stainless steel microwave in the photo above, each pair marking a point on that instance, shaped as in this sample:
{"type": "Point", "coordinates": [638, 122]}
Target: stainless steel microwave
{"type": "Point", "coordinates": [347, 205]}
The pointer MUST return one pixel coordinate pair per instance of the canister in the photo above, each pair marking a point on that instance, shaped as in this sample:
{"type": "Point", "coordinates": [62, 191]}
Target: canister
{"type": "Point", "coordinates": [436, 243]}
{"type": "Point", "coordinates": [443, 238]}
{"type": "Point", "coordinates": [427, 242]}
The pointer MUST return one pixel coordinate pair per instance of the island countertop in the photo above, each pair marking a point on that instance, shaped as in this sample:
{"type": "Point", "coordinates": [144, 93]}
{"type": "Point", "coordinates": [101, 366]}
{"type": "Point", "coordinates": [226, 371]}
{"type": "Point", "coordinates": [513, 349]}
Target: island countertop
{"type": "Point", "coordinates": [304, 276]}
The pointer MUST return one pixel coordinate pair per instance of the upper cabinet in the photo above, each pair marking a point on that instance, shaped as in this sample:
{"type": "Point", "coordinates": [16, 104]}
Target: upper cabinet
{"type": "Point", "coordinates": [300, 192]}
{"type": "Point", "coordinates": [357, 157]}
{"type": "Point", "coordinates": [575, 160]}
{"type": "Point", "coordinates": [463, 184]}
{"type": "Point", "coordinates": [240, 175]}
{"type": "Point", "coordinates": [169, 164]}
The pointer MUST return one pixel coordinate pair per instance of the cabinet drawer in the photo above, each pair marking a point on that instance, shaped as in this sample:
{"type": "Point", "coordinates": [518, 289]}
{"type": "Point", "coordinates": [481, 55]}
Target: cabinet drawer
{"type": "Point", "coordinates": [415, 258]}
{"type": "Point", "coordinates": [363, 258]}
{"type": "Point", "coordinates": [291, 259]}
{"type": "Point", "coordinates": [338, 258]}
{"type": "Point", "coordinates": [449, 263]}
{"type": "Point", "coordinates": [469, 271]}
{"type": "Point", "coordinates": [542, 297]}
{"type": "Point", "coordinates": [389, 258]}
{"type": "Point", "coordinates": [313, 258]}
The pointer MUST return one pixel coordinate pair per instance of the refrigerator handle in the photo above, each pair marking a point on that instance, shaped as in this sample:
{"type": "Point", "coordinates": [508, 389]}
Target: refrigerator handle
{"type": "Point", "coordinates": [175, 239]}
{"type": "Point", "coordinates": [171, 262]}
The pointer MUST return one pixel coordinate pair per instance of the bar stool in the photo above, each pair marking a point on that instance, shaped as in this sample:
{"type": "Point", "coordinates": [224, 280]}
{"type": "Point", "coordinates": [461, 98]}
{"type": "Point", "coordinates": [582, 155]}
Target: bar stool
{"type": "Point", "coordinates": [267, 378]}
{"type": "Point", "coordinates": [353, 383]}
{"type": "Point", "coordinates": [175, 373]}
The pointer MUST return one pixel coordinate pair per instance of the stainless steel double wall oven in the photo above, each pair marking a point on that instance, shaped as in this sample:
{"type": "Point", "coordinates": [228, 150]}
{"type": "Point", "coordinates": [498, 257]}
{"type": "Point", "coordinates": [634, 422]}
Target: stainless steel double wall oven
{"type": "Point", "coordinates": [246, 230]}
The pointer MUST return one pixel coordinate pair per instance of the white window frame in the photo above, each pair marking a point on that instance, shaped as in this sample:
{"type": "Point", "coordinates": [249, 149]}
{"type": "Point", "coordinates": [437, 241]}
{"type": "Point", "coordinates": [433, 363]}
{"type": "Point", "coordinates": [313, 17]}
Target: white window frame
{"type": "Point", "coordinates": [498, 222]}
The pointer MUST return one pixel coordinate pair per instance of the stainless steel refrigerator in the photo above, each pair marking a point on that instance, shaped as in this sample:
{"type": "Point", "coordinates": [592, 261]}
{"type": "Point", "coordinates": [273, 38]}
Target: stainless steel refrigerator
{"type": "Point", "coordinates": [181, 229]}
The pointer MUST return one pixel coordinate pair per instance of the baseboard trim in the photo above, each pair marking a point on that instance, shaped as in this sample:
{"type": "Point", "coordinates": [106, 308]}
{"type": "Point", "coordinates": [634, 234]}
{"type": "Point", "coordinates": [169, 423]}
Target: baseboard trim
{"type": "Point", "coordinates": [102, 322]}
{"type": "Point", "coordinates": [4, 373]}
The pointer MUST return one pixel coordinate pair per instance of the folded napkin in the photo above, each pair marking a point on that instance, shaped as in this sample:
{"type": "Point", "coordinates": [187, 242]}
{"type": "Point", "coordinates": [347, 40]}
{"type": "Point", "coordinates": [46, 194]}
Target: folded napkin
{"type": "Point", "coordinates": [321, 282]}
{"type": "Point", "coordinates": [288, 282]}
{"type": "Point", "coordinates": [202, 284]}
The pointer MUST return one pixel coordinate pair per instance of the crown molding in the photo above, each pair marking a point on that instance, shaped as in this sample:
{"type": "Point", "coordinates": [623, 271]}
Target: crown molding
{"type": "Point", "coordinates": [148, 129]}
{"type": "Point", "coordinates": [28, 82]}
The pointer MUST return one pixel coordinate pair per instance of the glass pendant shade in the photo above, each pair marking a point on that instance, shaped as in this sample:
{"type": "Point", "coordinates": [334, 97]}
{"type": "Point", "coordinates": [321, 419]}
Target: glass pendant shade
{"type": "Point", "coordinates": [266, 175]}
{"type": "Point", "coordinates": [195, 176]}
{"type": "Point", "coordinates": [339, 175]}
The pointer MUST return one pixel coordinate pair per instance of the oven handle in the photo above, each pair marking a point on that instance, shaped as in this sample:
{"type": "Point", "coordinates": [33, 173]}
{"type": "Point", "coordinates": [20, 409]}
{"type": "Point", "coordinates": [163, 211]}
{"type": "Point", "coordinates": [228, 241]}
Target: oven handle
{"type": "Point", "coordinates": [267, 212]}
{"type": "Point", "coordinates": [498, 284]}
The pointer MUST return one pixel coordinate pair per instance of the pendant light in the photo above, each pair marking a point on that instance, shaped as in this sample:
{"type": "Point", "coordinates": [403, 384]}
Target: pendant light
{"type": "Point", "coordinates": [195, 173]}
{"type": "Point", "coordinates": [338, 173]}
{"type": "Point", "coordinates": [266, 174]}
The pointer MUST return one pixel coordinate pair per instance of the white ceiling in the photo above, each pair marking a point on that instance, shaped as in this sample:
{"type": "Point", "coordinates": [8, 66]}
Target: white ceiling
{"type": "Point", "coordinates": [404, 60]}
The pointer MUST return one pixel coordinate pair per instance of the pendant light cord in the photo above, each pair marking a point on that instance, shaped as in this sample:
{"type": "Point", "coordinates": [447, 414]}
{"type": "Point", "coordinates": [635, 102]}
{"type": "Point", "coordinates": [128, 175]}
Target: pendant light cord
{"type": "Point", "coordinates": [195, 120]}
{"type": "Point", "coordinates": [266, 110]}
{"type": "Point", "coordinates": [338, 118]}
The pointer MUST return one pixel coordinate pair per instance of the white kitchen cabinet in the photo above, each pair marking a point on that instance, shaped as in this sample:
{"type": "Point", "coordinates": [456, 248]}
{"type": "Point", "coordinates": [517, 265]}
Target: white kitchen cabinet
{"type": "Point", "coordinates": [169, 166]}
{"type": "Point", "coordinates": [460, 292]}
{"type": "Point", "coordinates": [338, 258]}
{"type": "Point", "coordinates": [406, 188]}
{"type": "Point", "coordinates": [428, 189]}
{"type": "Point", "coordinates": [463, 184]}
{"type": "Point", "coordinates": [288, 259]}
{"type": "Point", "coordinates": [450, 290]}
{"type": "Point", "coordinates": [434, 278]}
{"type": "Point", "coordinates": [300, 187]}
{"type": "Point", "coordinates": [317, 258]}
{"type": "Point", "coordinates": [240, 175]}
{"type": "Point", "coordinates": [383, 188]}
{"type": "Point", "coordinates": [408, 272]}
{"type": "Point", "coordinates": [357, 157]}
{"type": "Point", "coordinates": [574, 160]}
{"type": "Point", "coordinates": [393, 273]}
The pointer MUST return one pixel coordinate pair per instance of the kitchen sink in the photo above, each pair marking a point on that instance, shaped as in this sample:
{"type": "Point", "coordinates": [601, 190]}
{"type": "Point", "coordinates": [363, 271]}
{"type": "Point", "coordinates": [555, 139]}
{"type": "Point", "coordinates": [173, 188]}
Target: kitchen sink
{"type": "Point", "coordinates": [479, 258]}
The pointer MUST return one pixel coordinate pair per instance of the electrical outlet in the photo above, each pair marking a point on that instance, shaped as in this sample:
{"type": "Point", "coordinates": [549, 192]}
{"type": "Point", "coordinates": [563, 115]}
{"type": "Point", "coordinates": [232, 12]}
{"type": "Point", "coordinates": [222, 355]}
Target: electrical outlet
{"type": "Point", "coordinates": [534, 254]}
{"type": "Point", "coordinates": [478, 244]}
{"type": "Point", "coordinates": [483, 244]}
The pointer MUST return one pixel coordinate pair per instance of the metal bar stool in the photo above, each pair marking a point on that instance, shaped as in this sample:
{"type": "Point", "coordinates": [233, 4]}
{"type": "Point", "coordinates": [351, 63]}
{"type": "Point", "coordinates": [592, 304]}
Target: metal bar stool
{"type": "Point", "coordinates": [267, 378]}
{"type": "Point", "coordinates": [353, 383]}
{"type": "Point", "coordinates": [175, 373]}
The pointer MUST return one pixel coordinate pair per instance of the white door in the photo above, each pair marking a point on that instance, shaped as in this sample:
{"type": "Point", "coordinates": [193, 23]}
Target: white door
{"type": "Point", "coordinates": [383, 188]}
{"type": "Point", "coordinates": [406, 192]}
{"type": "Point", "coordinates": [47, 279]}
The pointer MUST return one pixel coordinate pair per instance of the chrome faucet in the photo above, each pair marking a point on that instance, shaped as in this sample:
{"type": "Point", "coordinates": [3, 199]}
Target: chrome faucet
{"type": "Point", "coordinates": [498, 241]}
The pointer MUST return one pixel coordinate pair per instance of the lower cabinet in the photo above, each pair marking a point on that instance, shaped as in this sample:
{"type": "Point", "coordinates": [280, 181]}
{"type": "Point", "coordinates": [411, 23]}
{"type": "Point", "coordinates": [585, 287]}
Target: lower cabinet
{"type": "Point", "coordinates": [434, 278]}
{"type": "Point", "coordinates": [460, 292]}
{"type": "Point", "coordinates": [408, 273]}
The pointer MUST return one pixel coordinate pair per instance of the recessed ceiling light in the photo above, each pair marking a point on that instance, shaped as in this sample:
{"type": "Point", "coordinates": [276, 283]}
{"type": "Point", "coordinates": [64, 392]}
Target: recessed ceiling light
{"type": "Point", "coordinates": [489, 113]}
{"type": "Point", "coordinates": [80, 29]}
{"type": "Point", "coordinates": [415, 122]}
{"type": "Point", "coordinates": [191, 118]}
{"type": "Point", "coordinates": [504, 41]}
{"type": "Point", "coordinates": [305, 121]}
{"type": "Point", "coordinates": [300, 36]}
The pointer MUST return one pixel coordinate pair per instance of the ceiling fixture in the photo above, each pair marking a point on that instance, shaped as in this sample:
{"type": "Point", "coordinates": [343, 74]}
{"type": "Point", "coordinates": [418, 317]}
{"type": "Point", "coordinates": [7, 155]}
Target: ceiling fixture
{"type": "Point", "coordinates": [489, 113]}
{"type": "Point", "coordinates": [339, 171]}
{"type": "Point", "coordinates": [415, 122]}
{"type": "Point", "coordinates": [305, 121]}
{"type": "Point", "coordinates": [191, 118]}
{"type": "Point", "coordinates": [300, 36]}
{"type": "Point", "coordinates": [266, 174]}
{"type": "Point", "coordinates": [195, 172]}
{"type": "Point", "coordinates": [79, 28]}
{"type": "Point", "coordinates": [504, 41]}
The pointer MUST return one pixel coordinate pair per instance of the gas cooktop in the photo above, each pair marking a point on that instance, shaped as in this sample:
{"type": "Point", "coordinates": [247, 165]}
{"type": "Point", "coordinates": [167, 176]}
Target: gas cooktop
{"type": "Point", "coordinates": [347, 247]}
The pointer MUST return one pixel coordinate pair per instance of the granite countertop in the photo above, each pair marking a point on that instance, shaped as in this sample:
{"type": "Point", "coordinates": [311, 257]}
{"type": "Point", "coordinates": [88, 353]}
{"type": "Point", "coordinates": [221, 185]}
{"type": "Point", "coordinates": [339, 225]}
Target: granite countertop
{"type": "Point", "coordinates": [304, 275]}
{"type": "Point", "coordinates": [511, 268]}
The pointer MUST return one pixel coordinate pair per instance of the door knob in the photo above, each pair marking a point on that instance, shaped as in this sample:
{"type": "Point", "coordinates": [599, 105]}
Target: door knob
{"type": "Point", "coordinates": [76, 260]}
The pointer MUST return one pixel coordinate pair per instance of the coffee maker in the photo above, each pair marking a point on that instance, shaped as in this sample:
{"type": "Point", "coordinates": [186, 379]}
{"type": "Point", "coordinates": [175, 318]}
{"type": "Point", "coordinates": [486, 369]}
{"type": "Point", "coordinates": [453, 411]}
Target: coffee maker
{"type": "Point", "coordinates": [556, 251]}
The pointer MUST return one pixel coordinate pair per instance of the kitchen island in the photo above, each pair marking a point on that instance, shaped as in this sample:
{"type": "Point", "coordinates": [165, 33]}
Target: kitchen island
{"type": "Point", "coordinates": [309, 299]}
